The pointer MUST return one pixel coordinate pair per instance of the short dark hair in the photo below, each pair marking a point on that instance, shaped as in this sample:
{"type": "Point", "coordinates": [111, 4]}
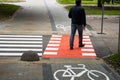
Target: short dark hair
{"type": "Point", "coordinates": [78, 2]}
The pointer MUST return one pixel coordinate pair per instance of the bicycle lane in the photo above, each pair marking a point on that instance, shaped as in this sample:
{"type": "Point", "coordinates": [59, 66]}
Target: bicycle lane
{"type": "Point", "coordinates": [57, 70]}
{"type": "Point", "coordinates": [60, 55]}
{"type": "Point", "coordinates": [58, 47]}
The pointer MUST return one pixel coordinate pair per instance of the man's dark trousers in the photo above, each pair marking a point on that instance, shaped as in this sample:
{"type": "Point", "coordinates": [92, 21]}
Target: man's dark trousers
{"type": "Point", "coordinates": [75, 27]}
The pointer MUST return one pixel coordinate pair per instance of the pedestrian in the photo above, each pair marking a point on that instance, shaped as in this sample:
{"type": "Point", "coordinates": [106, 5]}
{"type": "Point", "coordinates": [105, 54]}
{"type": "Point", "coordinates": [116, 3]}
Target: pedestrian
{"type": "Point", "coordinates": [78, 22]}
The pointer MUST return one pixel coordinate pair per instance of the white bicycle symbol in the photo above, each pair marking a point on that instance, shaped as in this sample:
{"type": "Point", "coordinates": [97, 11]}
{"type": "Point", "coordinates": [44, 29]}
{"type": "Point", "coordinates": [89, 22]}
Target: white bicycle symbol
{"type": "Point", "coordinates": [64, 28]}
{"type": "Point", "coordinates": [92, 74]}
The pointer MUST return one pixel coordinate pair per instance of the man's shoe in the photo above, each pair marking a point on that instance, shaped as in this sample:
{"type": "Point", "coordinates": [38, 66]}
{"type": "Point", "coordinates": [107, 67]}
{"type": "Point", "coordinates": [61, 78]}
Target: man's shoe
{"type": "Point", "coordinates": [71, 48]}
{"type": "Point", "coordinates": [82, 45]}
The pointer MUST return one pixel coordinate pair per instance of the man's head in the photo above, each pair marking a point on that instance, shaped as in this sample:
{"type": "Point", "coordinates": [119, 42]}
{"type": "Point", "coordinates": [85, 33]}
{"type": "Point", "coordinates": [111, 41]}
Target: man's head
{"type": "Point", "coordinates": [78, 2]}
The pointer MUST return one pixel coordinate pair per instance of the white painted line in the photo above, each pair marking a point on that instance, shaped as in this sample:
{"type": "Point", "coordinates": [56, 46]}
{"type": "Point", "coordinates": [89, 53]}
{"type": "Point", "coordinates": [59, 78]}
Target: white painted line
{"type": "Point", "coordinates": [39, 54]}
{"type": "Point", "coordinates": [20, 38]}
{"type": "Point", "coordinates": [87, 42]}
{"type": "Point", "coordinates": [11, 54]}
{"type": "Point", "coordinates": [88, 50]}
{"type": "Point", "coordinates": [19, 49]}
{"type": "Point", "coordinates": [52, 53]}
{"type": "Point", "coordinates": [52, 48]}
{"type": "Point", "coordinates": [70, 70]}
{"type": "Point", "coordinates": [88, 46]}
{"type": "Point", "coordinates": [55, 38]}
{"type": "Point", "coordinates": [34, 36]}
{"type": "Point", "coordinates": [15, 54]}
{"type": "Point", "coordinates": [19, 45]}
{"type": "Point", "coordinates": [56, 35]}
{"type": "Point", "coordinates": [36, 42]}
{"type": "Point", "coordinates": [54, 41]}
{"type": "Point", "coordinates": [86, 37]}
{"type": "Point", "coordinates": [88, 54]}
{"type": "Point", "coordinates": [53, 45]}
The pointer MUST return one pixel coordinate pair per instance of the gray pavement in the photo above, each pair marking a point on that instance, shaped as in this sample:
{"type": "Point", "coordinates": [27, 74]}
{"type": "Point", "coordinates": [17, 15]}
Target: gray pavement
{"type": "Point", "coordinates": [106, 43]}
{"type": "Point", "coordinates": [42, 17]}
{"type": "Point", "coordinates": [31, 18]}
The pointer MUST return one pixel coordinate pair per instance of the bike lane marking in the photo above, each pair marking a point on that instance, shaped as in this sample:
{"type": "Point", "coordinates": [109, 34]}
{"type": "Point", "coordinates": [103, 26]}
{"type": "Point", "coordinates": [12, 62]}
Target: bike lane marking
{"type": "Point", "coordinates": [89, 72]}
{"type": "Point", "coordinates": [70, 72]}
{"type": "Point", "coordinates": [58, 47]}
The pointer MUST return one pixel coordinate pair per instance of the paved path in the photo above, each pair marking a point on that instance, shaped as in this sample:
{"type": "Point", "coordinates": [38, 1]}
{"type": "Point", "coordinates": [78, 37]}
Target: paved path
{"type": "Point", "coordinates": [42, 17]}
{"type": "Point", "coordinates": [106, 43]}
{"type": "Point", "coordinates": [32, 18]}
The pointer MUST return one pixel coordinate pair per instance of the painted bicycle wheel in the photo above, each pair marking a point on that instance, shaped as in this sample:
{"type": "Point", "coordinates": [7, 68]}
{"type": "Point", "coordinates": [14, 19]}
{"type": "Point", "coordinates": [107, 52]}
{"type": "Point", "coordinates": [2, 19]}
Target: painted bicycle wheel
{"type": "Point", "coordinates": [97, 75]}
{"type": "Point", "coordinates": [62, 75]}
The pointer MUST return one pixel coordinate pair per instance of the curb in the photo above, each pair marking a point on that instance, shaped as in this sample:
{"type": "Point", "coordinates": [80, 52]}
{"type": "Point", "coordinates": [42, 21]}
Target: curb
{"type": "Point", "coordinates": [15, 14]}
{"type": "Point", "coordinates": [105, 16]}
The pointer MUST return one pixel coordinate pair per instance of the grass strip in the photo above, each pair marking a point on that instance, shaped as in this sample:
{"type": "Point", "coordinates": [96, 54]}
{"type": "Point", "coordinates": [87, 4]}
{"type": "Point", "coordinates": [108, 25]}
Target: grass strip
{"type": "Point", "coordinates": [114, 61]}
{"type": "Point", "coordinates": [73, 1]}
{"type": "Point", "coordinates": [94, 10]}
{"type": "Point", "coordinates": [7, 10]}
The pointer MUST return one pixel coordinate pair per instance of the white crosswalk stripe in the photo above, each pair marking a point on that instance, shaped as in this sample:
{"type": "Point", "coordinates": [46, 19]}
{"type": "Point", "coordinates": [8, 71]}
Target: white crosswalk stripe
{"type": "Point", "coordinates": [26, 36]}
{"type": "Point", "coordinates": [53, 45]}
{"type": "Point", "coordinates": [29, 39]}
{"type": "Point", "coordinates": [16, 45]}
{"type": "Point", "coordinates": [22, 42]}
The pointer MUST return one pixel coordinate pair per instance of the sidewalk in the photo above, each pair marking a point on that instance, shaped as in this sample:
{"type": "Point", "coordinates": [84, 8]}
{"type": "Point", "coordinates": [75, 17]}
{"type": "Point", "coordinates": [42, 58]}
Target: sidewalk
{"type": "Point", "coordinates": [52, 14]}
{"type": "Point", "coordinates": [32, 18]}
{"type": "Point", "coordinates": [107, 43]}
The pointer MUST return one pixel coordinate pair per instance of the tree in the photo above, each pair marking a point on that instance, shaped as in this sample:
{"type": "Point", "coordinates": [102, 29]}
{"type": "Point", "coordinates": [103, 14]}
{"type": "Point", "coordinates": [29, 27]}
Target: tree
{"type": "Point", "coordinates": [100, 2]}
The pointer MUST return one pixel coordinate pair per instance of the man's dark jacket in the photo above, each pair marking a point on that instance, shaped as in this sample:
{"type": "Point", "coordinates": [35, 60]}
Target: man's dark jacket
{"type": "Point", "coordinates": [78, 16]}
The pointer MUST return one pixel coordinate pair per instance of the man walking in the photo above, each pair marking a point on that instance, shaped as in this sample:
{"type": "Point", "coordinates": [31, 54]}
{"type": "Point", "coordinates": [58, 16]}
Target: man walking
{"type": "Point", "coordinates": [78, 22]}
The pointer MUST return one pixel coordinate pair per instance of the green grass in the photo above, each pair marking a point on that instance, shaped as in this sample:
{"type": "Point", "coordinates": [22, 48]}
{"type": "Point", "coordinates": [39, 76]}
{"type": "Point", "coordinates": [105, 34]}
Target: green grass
{"type": "Point", "coordinates": [7, 10]}
{"type": "Point", "coordinates": [93, 10]}
{"type": "Point", "coordinates": [114, 61]}
{"type": "Point", "coordinates": [83, 2]}
{"type": "Point", "coordinates": [66, 1]}
{"type": "Point", "coordinates": [90, 10]}
{"type": "Point", "coordinates": [73, 1]}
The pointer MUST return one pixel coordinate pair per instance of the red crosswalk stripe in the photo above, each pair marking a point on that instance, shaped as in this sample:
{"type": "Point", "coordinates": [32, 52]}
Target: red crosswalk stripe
{"type": "Point", "coordinates": [58, 47]}
{"type": "Point", "coordinates": [53, 45]}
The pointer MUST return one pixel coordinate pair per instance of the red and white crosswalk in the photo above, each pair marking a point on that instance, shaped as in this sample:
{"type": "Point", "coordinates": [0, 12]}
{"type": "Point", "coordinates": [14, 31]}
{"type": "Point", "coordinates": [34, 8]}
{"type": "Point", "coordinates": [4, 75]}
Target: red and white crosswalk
{"type": "Point", "coordinates": [88, 49]}
{"type": "Point", "coordinates": [58, 47]}
{"type": "Point", "coordinates": [53, 45]}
